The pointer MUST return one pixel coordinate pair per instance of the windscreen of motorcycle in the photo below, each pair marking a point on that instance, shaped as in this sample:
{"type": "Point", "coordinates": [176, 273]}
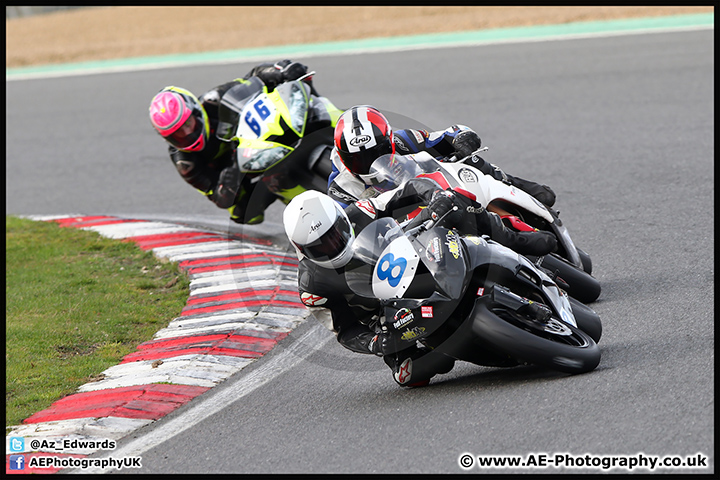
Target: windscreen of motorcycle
{"type": "Point", "coordinates": [390, 171]}
{"type": "Point", "coordinates": [384, 262]}
{"type": "Point", "coordinates": [444, 255]}
{"type": "Point", "coordinates": [270, 126]}
{"type": "Point", "coordinates": [273, 114]}
{"type": "Point", "coordinates": [387, 264]}
{"type": "Point", "coordinates": [232, 103]}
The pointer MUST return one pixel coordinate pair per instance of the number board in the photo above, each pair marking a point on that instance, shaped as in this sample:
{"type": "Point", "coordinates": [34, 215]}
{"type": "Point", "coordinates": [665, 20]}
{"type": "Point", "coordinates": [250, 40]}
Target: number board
{"type": "Point", "coordinates": [395, 270]}
{"type": "Point", "coordinates": [256, 118]}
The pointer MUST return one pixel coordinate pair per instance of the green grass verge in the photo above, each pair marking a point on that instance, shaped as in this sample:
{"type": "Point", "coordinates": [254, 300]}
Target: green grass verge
{"type": "Point", "coordinates": [76, 303]}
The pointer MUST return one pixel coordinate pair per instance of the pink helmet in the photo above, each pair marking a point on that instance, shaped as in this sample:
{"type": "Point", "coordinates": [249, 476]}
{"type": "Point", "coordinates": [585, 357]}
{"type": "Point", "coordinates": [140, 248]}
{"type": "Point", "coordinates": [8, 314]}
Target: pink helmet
{"type": "Point", "coordinates": [179, 118]}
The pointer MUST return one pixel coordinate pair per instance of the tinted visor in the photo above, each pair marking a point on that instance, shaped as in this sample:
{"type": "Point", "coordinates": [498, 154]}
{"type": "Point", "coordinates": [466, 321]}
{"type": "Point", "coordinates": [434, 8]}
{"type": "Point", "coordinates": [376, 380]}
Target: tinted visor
{"type": "Point", "coordinates": [331, 244]}
{"type": "Point", "coordinates": [188, 133]}
{"type": "Point", "coordinates": [359, 162]}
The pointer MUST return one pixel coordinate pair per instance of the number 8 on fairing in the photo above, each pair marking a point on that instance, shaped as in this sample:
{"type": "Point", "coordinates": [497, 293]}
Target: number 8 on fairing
{"type": "Point", "coordinates": [387, 269]}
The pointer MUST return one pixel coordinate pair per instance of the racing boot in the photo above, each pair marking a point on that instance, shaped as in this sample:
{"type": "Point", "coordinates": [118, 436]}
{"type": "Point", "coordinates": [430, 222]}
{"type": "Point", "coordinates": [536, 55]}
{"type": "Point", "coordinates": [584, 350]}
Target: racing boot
{"type": "Point", "coordinates": [543, 193]}
{"type": "Point", "coordinates": [536, 243]}
{"type": "Point", "coordinates": [477, 220]}
{"type": "Point", "coordinates": [417, 368]}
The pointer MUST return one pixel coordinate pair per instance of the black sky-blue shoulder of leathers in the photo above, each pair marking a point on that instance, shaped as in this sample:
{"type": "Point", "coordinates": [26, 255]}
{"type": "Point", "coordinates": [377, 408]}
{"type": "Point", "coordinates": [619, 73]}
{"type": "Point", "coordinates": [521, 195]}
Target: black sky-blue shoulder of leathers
{"type": "Point", "coordinates": [408, 143]}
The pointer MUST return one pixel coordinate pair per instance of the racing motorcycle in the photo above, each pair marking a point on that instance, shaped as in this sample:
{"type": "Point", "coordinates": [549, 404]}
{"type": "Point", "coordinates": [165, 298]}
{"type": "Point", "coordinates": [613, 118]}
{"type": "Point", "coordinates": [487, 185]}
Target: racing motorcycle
{"type": "Point", "coordinates": [570, 266]}
{"type": "Point", "coordinates": [275, 141]}
{"type": "Point", "coordinates": [469, 298]}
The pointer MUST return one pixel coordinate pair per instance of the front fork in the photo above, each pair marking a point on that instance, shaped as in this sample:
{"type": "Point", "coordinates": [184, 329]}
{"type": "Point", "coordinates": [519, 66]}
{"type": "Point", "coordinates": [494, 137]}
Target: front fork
{"type": "Point", "coordinates": [522, 305]}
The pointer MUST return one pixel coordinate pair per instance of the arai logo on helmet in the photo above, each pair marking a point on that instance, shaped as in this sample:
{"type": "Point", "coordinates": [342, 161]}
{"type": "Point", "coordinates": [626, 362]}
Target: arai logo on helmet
{"type": "Point", "coordinates": [359, 140]}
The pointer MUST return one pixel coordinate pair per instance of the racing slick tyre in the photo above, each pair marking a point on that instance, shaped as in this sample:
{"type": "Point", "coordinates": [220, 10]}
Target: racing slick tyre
{"type": "Point", "coordinates": [551, 343]}
{"type": "Point", "coordinates": [581, 285]}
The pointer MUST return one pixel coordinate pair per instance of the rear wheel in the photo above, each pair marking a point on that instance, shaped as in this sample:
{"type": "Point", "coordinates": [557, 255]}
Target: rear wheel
{"type": "Point", "coordinates": [315, 178]}
{"type": "Point", "coordinates": [551, 343]}
{"type": "Point", "coordinates": [323, 166]}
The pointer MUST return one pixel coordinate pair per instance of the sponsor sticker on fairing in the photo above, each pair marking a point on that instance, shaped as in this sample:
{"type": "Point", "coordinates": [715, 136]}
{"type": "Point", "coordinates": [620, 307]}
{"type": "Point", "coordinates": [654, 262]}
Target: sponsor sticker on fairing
{"type": "Point", "coordinates": [403, 317]}
{"type": "Point", "coordinates": [433, 250]}
{"type": "Point", "coordinates": [467, 175]}
{"type": "Point", "coordinates": [411, 334]}
{"type": "Point", "coordinates": [426, 312]}
{"type": "Point", "coordinates": [452, 242]}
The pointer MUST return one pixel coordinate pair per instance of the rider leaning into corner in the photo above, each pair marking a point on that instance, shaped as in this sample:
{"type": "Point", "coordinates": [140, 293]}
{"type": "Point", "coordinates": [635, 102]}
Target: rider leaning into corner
{"type": "Point", "coordinates": [362, 134]}
{"type": "Point", "coordinates": [323, 233]}
{"type": "Point", "coordinates": [189, 125]}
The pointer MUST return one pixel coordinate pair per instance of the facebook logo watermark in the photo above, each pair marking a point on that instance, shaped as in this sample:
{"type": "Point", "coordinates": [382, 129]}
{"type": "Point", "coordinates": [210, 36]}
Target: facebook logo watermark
{"type": "Point", "coordinates": [17, 462]}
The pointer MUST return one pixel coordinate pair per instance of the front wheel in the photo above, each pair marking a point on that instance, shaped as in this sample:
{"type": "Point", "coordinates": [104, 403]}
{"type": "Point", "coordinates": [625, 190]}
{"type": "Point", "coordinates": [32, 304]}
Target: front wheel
{"type": "Point", "coordinates": [551, 343]}
{"type": "Point", "coordinates": [581, 285]}
{"type": "Point", "coordinates": [586, 261]}
{"type": "Point", "coordinates": [587, 320]}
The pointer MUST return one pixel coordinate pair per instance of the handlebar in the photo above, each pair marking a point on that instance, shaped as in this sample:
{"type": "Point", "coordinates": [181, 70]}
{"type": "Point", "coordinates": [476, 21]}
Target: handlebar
{"type": "Point", "coordinates": [454, 159]}
{"type": "Point", "coordinates": [421, 223]}
{"type": "Point", "coordinates": [309, 74]}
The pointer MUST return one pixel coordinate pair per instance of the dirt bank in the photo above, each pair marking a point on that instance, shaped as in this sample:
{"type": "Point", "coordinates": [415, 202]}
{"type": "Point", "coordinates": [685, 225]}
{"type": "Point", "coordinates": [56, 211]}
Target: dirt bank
{"type": "Point", "coordinates": [98, 33]}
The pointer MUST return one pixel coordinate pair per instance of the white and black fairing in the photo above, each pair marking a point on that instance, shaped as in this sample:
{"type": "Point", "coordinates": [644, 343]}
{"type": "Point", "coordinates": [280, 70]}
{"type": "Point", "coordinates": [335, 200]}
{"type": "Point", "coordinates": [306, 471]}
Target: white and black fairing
{"type": "Point", "coordinates": [435, 286]}
{"type": "Point", "coordinates": [420, 280]}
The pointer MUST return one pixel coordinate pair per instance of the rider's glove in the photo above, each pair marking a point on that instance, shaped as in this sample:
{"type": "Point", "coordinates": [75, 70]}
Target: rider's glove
{"type": "Point", "coordinates": [280, 72]}
{"type": "Point", "coordinates": [465, 209]}
{"type": "Point", "coordinates": [465, 143]}
{"type": "Point", "coordinates": [271, 76]}
{"type": "Point", "coordinates": [227, 187]}
{"type": "Point", "coordinates": [291, 70]}
{"type": "Point", "coordinates": [441, 202]}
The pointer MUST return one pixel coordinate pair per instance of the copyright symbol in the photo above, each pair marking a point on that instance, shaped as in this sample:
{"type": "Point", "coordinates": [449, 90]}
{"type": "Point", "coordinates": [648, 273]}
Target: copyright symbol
{"type": "Point", "coordinates": [35, 444]}
{"type": "Point", "coordinates": [466, 460]}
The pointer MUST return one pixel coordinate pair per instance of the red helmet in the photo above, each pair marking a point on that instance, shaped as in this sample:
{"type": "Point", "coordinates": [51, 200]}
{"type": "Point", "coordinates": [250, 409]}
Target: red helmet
{"type": "Point", "coordinates": [362, 134]}
{"type": "Point", "coordinates": [180, 118]}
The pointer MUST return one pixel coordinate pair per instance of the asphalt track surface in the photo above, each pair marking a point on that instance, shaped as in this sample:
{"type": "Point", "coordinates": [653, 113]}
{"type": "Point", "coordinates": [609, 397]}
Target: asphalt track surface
{"type": "Point", "coordinates": [622, 128]}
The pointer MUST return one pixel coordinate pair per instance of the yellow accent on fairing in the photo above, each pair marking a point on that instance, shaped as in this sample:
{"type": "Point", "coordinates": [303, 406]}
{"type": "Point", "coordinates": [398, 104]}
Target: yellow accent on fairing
{"type": "Point", "coordinates": [290, 193]}
{"type": "Point", "coordinates": [258, 144]}
{"type": "Point", "coordinates": [332, 110]}
{"type": "Point", "coordinates": [255, 220]}
{"type": "Point", "coordinates": [275, 128]}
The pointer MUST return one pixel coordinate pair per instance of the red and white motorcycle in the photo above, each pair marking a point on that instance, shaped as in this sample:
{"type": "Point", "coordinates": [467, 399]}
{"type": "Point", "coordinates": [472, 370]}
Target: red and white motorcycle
{"type": "Point", "coordinates": [570, 266]}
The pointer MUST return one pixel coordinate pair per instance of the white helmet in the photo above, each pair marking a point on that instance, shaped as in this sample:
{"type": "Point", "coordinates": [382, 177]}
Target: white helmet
{"type": "Point", "coordinates": [319, 229]}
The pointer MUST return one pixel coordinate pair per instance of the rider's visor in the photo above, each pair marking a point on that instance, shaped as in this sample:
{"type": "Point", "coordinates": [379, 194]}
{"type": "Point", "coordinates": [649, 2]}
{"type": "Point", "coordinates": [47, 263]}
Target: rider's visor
{"type": "Point", "coordinates": [331, 244]}
{"type": "Point", "coordinates": [360, 162]}
{"type": "Point", "coordinates": [187, 134]}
